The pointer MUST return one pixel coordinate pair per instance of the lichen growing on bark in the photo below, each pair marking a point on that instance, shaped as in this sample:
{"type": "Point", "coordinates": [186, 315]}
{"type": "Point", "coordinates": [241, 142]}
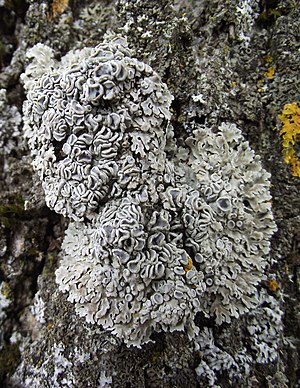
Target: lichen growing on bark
{"type": "Point", "coordinates": [215, 59]}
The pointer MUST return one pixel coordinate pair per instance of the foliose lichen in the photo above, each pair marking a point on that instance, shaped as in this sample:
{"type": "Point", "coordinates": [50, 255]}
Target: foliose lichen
{"type": "Point", "coordinates": [215, 360]}
{"type": "Point", "coordinates": [258, 345]}
{"type": "Point", "coordinates": [10, 120]}
{"type": "Point", "coordinates": [83, 154]}
{"type": "Point", "coordinates": [246, 12]}
{"type": "Point", "coordinates": [38, 308]}
{"type": "Point", "coordinates": [265, 327]}
{"type": "Point", "coordinates": [158, 233]}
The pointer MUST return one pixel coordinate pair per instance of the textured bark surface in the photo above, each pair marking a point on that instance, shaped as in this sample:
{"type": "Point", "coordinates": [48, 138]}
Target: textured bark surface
{"type": "Point", "coordinates": [234, 61]}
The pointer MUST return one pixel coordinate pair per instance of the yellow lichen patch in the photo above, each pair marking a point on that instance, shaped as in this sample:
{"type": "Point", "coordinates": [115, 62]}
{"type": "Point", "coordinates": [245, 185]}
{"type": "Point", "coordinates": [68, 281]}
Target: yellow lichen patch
{"type": "Point", "coordinates": [289, 156]}
{"type": "Point", "coordinates": [189, 265]}
{"type": "Point", "coordinates": [290, 133]}
{"type": "Point", "coordinates": [260, 85]}
{"type": "Point", "coordinates": [58, 7]}
{"type": "Point", "coordinates": [268, 58]}
{"type": "Point", "coordinates": [270, 73]}
{"type": "Point", "coordinates": [273, 285]}
{"type": "Point", "coordinates": [5, 290]}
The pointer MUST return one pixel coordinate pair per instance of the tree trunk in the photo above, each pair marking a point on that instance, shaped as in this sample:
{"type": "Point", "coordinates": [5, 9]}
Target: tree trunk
{"type": "Point", "coordinates": [231, 62]}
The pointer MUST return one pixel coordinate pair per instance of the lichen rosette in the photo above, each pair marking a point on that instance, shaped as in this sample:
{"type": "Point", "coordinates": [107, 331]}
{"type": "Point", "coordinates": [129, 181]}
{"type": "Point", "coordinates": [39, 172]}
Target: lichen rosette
{"type": "Point", "coordinates": [157, 233]}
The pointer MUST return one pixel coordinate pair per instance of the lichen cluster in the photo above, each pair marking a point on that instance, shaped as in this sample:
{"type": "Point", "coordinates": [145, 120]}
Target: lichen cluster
{"type": "Point", "coordinates": [258, 345]}
{"type": "Point", "coordinates": [290, 131]}
{"type": "Point", "coordinates": [88, 126]}
{"type": "Point", "coordinates": [10, 120]}
{"type": "Point", "coordinates": [158, 233]}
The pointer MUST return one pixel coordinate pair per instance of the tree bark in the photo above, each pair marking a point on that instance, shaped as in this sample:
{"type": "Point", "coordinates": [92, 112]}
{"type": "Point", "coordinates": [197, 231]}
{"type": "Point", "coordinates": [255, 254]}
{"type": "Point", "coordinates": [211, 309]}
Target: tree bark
{"type": "Point", "coordinates": [234, 61]}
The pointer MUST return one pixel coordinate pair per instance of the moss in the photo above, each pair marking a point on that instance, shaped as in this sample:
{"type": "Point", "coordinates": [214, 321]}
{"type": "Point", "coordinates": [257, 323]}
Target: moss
{"type": "Point", "coordinates": [9, 359]}
{"type": "Point", "coordinates": [9, 212]}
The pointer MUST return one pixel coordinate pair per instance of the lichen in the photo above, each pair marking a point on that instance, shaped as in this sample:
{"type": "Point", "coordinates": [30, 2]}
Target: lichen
{"type": "Point", "coordinates": [214, 360]}
{"type": "Point", "coordinates": [158, 233]}
{"type": "Point", "coordinates": [265, 327]}
{"type": "Point", "coordinates": [246, 14]}
{"type": "Point", "coordinates": [270, 73]}
{"type": "Point", "coordinates": [38, 308]}
{"type": "Point", "coordinates": [59, 364]}
{"type": "Point", "coordinates": [259, 345]}
{"type": "Point", "coordinates": [58, 7]}
{"type": "Point", "coordinates": [290, 132]}
{"type": "Point", "coordinates": [5, 301]}
{"type": "Point", "coordinates": [10, 120]}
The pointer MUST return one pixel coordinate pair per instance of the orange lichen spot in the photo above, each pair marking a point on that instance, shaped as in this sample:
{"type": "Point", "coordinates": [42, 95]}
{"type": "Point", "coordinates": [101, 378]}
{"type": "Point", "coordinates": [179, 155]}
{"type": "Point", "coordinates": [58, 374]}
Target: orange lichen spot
{"type": "Point", "coordinates": [58, 7]}
{"type": "Point", "coordinates": [50, 325]}
{"type": "Point", "coordinates": [290, 133]}
{"type": "Point", "coordinates": [273, 285]}
{"type": "Point", "coordinates": [270, 73]}
{"type": "Point", "coordinates": [189, 265]}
